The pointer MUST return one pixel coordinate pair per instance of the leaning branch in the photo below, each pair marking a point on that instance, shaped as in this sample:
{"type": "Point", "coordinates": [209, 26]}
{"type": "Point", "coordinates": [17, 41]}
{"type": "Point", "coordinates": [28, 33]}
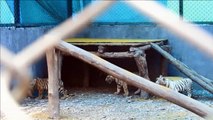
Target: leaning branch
{"type": "Point", "coordinates": [201, 80]}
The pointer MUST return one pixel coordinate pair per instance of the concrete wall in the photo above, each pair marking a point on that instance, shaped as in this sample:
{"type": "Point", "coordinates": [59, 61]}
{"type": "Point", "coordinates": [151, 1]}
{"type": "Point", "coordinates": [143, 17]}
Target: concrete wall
{"type": "Point", "coordinates": [17, 38]}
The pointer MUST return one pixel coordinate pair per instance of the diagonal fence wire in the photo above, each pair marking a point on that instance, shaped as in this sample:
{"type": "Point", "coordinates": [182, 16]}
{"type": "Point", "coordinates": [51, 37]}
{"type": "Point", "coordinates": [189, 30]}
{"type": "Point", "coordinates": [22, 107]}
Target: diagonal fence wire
{"type": "Point", "coordinates": [9, 98]}
{"type": "Point", "coordinates": [9, 106]}
{"type": "Point", "coordinates": [72, 26]}
{"type": "Point", "coordinates": [20, 91]}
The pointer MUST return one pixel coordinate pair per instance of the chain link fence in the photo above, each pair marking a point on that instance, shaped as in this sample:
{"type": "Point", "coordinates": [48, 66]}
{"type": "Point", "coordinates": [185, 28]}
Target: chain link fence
{"type": "Point", "coordinates": [6, 13]}
{"type": "Point", "coordinates": [198, 11]}
{"type": "Point", "coordinates": [174, 6]}
{"type": "Point", "coordinates": [24, 12]}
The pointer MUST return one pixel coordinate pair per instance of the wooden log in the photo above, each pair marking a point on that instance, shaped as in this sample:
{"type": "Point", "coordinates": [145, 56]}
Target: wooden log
{"type": "Point", "coordinates": [146, 47]}
{"type": "Point", "coordinates": [101, 49]}
{"type": "Point", "coordinates": [114, 54]}
{"type": "Point", "coordinates": [202, 81]}
{"type": "Point", "coordinates": [101, 52]}
{"type": "Point", "coordinates": [63, 53]}
{"type": "Point", "coordinates": [142, 66]}
{"type": "Point", "coordinates": [141, 63]}
{"type": "Point", "coordinates": [53, 95]}
{"type": "Point", "coordinates": [135, 80]}
{"type": "Point", "coordinates": [59, 63]}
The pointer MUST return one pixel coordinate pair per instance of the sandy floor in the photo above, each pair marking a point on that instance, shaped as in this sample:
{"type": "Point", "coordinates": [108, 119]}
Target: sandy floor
{"type": "Point", "coordinates": [102, 104]}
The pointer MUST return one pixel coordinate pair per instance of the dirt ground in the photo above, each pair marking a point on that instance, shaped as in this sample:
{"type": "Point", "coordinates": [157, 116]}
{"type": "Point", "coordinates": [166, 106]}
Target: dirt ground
{"type": "Point", "coordinates": [102, 104]}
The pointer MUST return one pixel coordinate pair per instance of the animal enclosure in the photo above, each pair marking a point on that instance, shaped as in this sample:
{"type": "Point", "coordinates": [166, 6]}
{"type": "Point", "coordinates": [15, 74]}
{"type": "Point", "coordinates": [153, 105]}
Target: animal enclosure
{"type": "Point", "coordinates": [18, 65]}
{"type": "Point", "coordinates": [76, 73]}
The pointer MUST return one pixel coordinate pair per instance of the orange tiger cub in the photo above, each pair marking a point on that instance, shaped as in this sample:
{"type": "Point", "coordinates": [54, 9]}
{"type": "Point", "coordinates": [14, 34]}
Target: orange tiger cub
{"type": "Point", "coordinates": [41, 85]}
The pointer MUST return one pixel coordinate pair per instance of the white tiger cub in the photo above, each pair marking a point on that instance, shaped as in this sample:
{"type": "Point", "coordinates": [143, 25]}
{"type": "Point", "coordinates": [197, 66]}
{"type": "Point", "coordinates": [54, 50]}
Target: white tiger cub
{"type": "Point", "coordinates": [119, 84]}
{"type": "Point", "coordinates": [183, 84]}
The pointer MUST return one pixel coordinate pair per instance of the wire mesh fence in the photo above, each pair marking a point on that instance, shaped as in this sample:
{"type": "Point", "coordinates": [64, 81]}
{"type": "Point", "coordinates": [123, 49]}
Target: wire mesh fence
{"type": "Point", "coordinates": [174, 6]}
{"type": "Point", "coordinates": [6, 13]}
{"type": "Point", "coordinates": [198, 11]}
{"type": "Point", "coordinates": [24, 12]}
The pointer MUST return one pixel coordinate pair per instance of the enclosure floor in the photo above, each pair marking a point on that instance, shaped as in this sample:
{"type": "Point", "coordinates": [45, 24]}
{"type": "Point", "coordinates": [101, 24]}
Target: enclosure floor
{"type": "Point", "coordinates": [102, 104]}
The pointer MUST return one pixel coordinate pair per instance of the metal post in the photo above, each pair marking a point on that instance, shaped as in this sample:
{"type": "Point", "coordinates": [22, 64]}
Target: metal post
{"type": "Point", "coordinates": [16, 12]}
{"type": "Point", "coordinates": [181, 7]}
{"type": "Point", "coordinates": [69, 8]}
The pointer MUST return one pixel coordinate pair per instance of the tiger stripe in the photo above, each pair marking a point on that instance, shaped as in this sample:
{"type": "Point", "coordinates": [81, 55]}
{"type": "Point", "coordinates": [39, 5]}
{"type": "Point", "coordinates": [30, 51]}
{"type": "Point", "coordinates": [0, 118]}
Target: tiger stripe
{"type": "Point", "coordinates": [120, 84]}
{"type": "Point", "coordinates": [180, 85]}
{"type": "Point", "coordinates": [41, 84]}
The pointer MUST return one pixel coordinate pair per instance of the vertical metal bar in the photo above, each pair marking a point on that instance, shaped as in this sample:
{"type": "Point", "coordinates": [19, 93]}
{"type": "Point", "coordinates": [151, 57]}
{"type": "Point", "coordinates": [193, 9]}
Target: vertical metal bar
{"type": "Point", "coordinates": [17, 12]}
{"type": "Point", "coordinates": [69, 8]}
{"type": "Point", "coordinates": [181, 7]}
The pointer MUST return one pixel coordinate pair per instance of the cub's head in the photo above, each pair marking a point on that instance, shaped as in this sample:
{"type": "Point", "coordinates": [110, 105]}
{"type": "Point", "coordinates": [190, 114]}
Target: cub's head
{"type": "Point", "coordinates": [109, 79]}
{"type": "Point", "coordinates": [161, 80]}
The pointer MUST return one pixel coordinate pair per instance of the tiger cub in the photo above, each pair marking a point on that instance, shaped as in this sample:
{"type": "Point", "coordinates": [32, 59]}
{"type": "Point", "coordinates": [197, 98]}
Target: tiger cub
{"type": "Point", "coordinates": [184, 84]}
{"type": "Point", "coordinates": [41, 84]}
{"type": "Point", "coordinates": [119, 83]}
